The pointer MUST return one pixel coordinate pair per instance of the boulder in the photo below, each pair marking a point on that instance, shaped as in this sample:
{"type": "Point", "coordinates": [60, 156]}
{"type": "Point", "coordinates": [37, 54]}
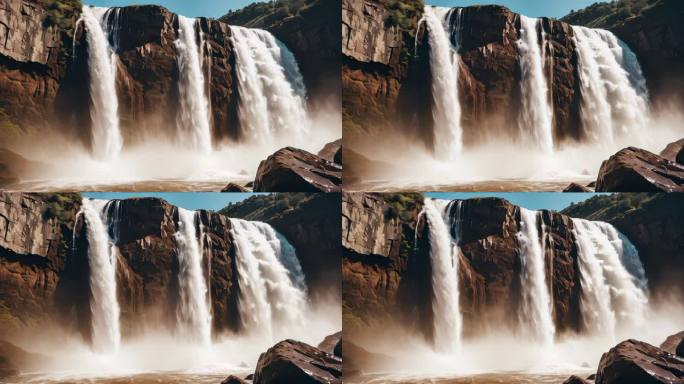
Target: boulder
{"type": "Point", "coordinates": [332, 151]}
{"type": "Point", "coordinates": [576, 380]}
{"type": "Point", "coordinates": [634, 361]}
{"type": "Point", "coordinates": [232, 379]}
{"type": "Point", "coordinates": [674, 344]}
{"type": "Point", "coordinates": [674, 151]}
{"type": "Point", "coordinates": [574, 187]}
{"type": "Point", "coordinates": [232, 187]}
{"type": "Point", "coordinates": [292, 361]}
{"type": "Point", "coordinates": [637, 170]}
{"type": "Point", "coordinates": [332, 344]}
{"type": "Point", "coordinates": [294, 170]}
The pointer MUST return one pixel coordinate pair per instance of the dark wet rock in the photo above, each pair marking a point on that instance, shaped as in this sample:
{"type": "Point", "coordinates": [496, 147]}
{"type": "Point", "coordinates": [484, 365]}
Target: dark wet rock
{"type": "Point", "coordinates": [232, 187]}
{"type": "Point", "coordinates": [249, 184]}
{"type": "Point", "coordinates": [634, 361]}
{"type": "Point", "coordinates": [292, 361]}
{"type": "Point", "coordinates": [332, 151]}
{"type": "Point", "coordinates": [574, 187]}
{"type": "Point", "coordinates": [576, 380]}
{"type": "Point", "coordinates": [637, 170]}
{"type": "Point", "coordinates": [591, 185]}
{"type": "Point", "coordinates": [294, 170]}
{"type": "Point", "coordinates": [249, 377]}
{"type": "Point", "coordinates": [674, 344]}
{"type": "Point", "coordinates": [332, 344]}
{"type": "Point", "coordinates": [232, 379]}
{"type": "Point", "coordinates": [591, 377]}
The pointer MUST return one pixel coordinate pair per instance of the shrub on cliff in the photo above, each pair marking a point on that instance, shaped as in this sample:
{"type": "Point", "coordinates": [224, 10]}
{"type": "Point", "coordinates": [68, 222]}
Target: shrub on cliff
{"type": "Point", "coordinates": [62, 13]}
{"type": "Point", "coordinates": [62, 207]}
{"type": "Point", "coordinates": [264, 14]}
{"type": "Point", "coordinates": [605, 15]}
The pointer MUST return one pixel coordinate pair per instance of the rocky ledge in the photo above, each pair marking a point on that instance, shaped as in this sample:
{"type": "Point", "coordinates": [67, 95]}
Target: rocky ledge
{"type": "Point", "coordinates": [637, 170]}
{"type": "Point", "coordinates": [633, 361]}
{"type": "Point", "coordinates": [295, 170]}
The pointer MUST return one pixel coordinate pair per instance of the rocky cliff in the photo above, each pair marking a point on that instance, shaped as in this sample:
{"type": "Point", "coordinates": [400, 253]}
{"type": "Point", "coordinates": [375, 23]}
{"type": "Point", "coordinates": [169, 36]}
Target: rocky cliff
{"type": "Point", "coordinates": [309, 29]}
{"type": "Point", "coordinates": [653, 222]}
{"type": "Point", "coordinates": [386, 70]}
{"type": "Point", "coordinates": [44, 266]}
{"type": "Point", "coordinates": [652, 28]}
{"type": "Point", "coordinates": [310, 221]}
{"type": "Point", "coordinates": [386, 265]}
{"type": "Point", "coordinates": [44, 77]}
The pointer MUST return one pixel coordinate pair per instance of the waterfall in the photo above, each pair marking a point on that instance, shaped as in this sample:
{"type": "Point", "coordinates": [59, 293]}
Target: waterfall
{"type": "Point", "coordinates": [192, 313]}
{"type": "Point", "coordinates": [104, 105]}
{"type": "Point", "coordinates": [612, 279]}
{"type": "Point", "coordinates": [444, 258]}
{"type": "Point", "coordinates": [102, 260]}
{"type": "Point", "coordinates": [444, 65]}
{"type": "Point", "coordinates": [272, 93]}
{"type": "Point", "coordinates": [614, 102]}
{"type": "Point", "coordinates": [536, 115]}
{"type": "Point", "coordinates": [193, 115]}
{"type": "Point", "coordinates": [272, 292]}
{"type": "Point", "coordinates": [535, 311]}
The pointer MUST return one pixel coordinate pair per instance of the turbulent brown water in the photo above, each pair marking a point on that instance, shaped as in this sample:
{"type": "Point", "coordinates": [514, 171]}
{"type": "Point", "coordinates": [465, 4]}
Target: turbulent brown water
{"type": "Point", "coordinates": [140, 186]}
{"type": "Point", "coordinates": [147, 378]}
{"type": "Point", "coordinates": [488, 378]}
{"type": "Point", "coordinates": [474, 186]}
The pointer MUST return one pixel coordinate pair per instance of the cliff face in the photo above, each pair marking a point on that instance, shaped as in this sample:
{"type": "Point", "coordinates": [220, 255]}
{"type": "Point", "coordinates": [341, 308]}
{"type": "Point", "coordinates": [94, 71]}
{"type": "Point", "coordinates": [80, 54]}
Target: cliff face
{"type": "Point", "coordinates": [44, 76]}
{"type": "Point", "coordinates": [310, 222]}
{"type": "Point", "coordinates": [386, 265]}
{"type": "Point", "coordinates": [44, 267]}
{"type": "Point", "coordinates": [310, 32]}
{"type": "Point", "coordinates": [33, 253]}
{"type": "Point", "coordinates": [653, 222]}
{"type": "Point", "coordinates": [31, 64]}
{"type": "Point", "coordinates": [387, 80]}
{"type": "Point", "coordinates": [653, 29]}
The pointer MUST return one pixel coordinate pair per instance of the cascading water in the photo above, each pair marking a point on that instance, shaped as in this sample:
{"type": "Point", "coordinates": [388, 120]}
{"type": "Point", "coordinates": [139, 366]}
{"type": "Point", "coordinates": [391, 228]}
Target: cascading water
{"type": "Point", "coordinates": [535, 315]}
{"type": "Point", "coordinates": [193, 115]}
{"type": "Point", "coordinates": [444, 254]}
{"type": "Point", "coordinates": [270, 279]}
{"type": "Point", "coordinates": [192, 314]}
{"type": "Point", "coordinates": [102, 260]}
{"type": "Point", "coordinates": [444, 63]}
{"type": "Point", "coordinates": [614, 103]}
{"type": "Point", "coordinates": [536, 115]}
{"type": "Point", "coordinates": [272, 93]}
{"type": "Point", "coordinates": [104, 105]}
{"type": "Point", "coordinates": [612, 297]}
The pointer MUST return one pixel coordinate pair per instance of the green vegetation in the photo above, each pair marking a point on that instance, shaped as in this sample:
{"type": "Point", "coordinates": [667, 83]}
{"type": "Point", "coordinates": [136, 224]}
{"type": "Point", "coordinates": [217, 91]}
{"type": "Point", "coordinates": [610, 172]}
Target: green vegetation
{"type": "Point", "coordinates": [62, 207]}
{"type": "Point", "coordinates": [259, 207]}
{"type": "Point", "coordinates": [403, 14]}
{"type": "Point", "coordinates": [608, 15]}
{"type": "Point", "coordinates": [404, 206]}
{"type": "Point", "coordinates": [609, 207]}
{"type": "Point", "coordinates": [261, 15]}
{"type": "Point", "coordinates": [62, 13]}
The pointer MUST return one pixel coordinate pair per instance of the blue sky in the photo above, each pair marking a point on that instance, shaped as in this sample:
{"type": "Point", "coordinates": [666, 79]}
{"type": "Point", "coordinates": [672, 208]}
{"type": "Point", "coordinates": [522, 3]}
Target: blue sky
{"type": "Point", "coordinates": [533, 8]}
{"type": "Point", "coordinates": [531, 200]}
{"type": "Point", "coordinates": [191, 8]}
{"type": "Point", "coordinates": [188, 200]}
